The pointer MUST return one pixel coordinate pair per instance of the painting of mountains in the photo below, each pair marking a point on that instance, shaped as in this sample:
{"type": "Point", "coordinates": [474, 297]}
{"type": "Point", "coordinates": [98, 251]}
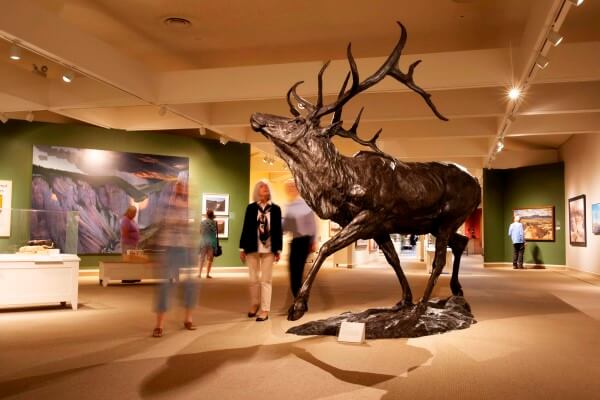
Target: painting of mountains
{"type": "Point", "coordinates": [100, 185]}
{"type": "Point", "coordinates": [596, 219]}
{"type": "Point", "coordinates": [538, 223]}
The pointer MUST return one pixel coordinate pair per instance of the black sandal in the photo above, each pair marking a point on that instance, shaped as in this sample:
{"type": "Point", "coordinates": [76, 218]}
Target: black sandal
{"type": "Point", "coordinates": [157, 332]}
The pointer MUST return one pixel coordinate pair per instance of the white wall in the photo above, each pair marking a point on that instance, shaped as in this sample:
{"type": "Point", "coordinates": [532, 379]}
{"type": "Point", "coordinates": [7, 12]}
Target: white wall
{"type": "Point", "coordinates": [581, 155]}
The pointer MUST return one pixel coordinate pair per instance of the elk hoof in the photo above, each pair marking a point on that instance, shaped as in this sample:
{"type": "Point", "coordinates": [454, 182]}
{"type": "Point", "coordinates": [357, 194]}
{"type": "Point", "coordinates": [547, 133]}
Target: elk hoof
{"type": "Point", "coordinates": [297, 310]}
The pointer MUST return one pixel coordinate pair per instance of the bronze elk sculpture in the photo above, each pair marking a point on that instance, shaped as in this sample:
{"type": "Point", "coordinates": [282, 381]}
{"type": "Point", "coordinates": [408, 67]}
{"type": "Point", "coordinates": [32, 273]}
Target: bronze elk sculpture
{"type": "Point", "coordinates": [370, 195]}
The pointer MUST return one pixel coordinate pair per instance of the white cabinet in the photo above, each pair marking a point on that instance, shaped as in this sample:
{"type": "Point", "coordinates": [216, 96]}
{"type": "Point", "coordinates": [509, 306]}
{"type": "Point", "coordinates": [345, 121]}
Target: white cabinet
{"type": "Point", "coordinates": [27, 279]}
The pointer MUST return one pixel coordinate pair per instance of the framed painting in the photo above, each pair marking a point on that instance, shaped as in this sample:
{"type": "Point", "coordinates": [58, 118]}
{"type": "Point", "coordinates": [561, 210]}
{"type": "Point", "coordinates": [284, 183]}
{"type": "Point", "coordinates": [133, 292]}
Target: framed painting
{"type": "Point", "coordinates": [218, 202]}
{"type": "Point", "coordinates": [5, 207]}
{"type": "Point", "coordinates": [577, 232]}
{"type": "Point", "coordinates": [596, 219]}
{"type": "Point", "coordinates": [222, 227]}
{"type": "Point", "coordinates": [538, 223]}
{"type": "Point", "coordinates": [101, 185]}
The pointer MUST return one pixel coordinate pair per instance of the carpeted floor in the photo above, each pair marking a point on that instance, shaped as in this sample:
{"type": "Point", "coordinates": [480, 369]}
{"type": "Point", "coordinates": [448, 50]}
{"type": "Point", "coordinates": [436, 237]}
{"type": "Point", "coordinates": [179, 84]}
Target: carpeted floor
{"type": "Point", "coordinates": [538, 337]}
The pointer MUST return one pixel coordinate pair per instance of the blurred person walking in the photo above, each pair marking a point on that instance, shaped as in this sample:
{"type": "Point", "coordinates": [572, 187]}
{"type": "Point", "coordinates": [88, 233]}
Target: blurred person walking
{"type": "Point", "coordinates": [299, 220]}
{"type": "Point", "coordinates": [178, 251]}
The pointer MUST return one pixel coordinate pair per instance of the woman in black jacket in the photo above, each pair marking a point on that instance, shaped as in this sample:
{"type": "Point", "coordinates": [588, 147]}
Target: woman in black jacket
{"type": "Point", "coordinates": [260, 246]}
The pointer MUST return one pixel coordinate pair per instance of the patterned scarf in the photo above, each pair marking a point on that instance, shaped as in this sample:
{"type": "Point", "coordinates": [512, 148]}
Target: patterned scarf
{"type": "Point", "coordinates": [263, 223]}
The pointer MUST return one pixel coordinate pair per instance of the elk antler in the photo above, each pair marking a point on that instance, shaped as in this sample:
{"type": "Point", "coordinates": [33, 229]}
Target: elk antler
{"type": "Point", "coordinates": [390, 67]}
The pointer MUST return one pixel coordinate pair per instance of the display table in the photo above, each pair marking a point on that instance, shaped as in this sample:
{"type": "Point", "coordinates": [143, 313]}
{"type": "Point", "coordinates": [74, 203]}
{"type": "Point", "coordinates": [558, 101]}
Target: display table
{"type": "Point", "coordinates": [27, 279]}
{"type": "Point", "coordinates": [131, 270]}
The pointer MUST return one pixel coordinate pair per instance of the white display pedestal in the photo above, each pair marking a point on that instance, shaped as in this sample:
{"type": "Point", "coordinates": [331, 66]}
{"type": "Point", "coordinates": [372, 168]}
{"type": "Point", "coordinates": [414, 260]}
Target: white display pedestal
{"type": "Point", "coordinates": [431, 255]}
{"type": "Point", "coordinates": [128, 270]}
{"type": "Point", "coordinates": [27, 279]}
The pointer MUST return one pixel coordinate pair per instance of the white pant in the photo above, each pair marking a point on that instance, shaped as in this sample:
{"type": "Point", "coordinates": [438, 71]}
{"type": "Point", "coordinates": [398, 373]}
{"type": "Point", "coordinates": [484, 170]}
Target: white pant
{"type": "Point", "coordinates": [260, 271]}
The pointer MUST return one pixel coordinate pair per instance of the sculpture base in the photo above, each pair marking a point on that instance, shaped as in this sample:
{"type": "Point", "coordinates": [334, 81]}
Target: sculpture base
{"type": "Point", "coordinates": [440, 315]}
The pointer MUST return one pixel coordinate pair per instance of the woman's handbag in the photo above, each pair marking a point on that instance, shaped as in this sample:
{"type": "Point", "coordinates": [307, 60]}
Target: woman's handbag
{"type": "Point", "coordinates": [218, 251]}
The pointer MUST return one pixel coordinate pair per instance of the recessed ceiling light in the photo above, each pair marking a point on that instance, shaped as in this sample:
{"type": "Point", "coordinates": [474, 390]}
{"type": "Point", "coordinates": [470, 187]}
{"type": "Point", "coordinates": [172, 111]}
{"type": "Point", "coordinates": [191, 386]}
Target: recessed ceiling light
{"type": "Point", "coordinates": [177, 22]}
{"type": "Point", "coordinates": [68, 77]}
{"type": "Point", "coordinates": [15, 52]}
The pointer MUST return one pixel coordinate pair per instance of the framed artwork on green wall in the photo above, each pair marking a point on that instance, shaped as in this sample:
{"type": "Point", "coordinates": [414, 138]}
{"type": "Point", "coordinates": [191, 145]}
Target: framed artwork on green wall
{"type": "Point", "coordinates": [222, 227]}
{"type": "Point", "coordinates": [218, 202]}
{"type": "Point", "coordinates": [596, 219]}
{"type": "Point", "coordinates": [577, 233]}
{"type": "Point", "coordinates": [538, 223]}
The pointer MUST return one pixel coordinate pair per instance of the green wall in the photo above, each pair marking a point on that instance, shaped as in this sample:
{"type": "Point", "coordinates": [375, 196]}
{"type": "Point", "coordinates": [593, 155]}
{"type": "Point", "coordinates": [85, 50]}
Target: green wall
{"type": "Point", "coordinates": [504, 190]}
{"type": "Point", "coordinates": [214, 168]}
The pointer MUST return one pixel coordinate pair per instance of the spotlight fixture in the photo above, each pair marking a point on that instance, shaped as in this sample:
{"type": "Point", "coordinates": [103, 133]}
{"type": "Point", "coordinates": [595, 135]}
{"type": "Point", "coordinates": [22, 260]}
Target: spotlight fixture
{"type": "Point", "coordinates": [68, 77]}
{"type": "Point", "coordinates": [41, 71]}
{"type": "Point", "coordinates": [577, 3]}
{"type": "Point", "coordinates": [3, 118]}
{"type": "Point", "coordinates": [162, 111]}
{"type": "Point", "coordinates": [15, 52]}
{"type": "Point", "coordinates": [514, 93]}
{"type": "Point", "coordinates": [202, 131]}
{"type": "Point", "coordinates": [555, 38]}
{"type": "Point", "coordinates": [500, 145]}
{"type": "Point", "coordinates": [223, 140]}
{"type": "Point", "coordinates": [542, 62]}
{"type": "Point", "coordinates": [29, 117]}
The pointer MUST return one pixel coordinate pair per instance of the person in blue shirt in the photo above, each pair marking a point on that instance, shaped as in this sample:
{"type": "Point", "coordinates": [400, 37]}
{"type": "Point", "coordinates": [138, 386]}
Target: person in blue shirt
{"type": "Point", "coordinates": [517, 235]}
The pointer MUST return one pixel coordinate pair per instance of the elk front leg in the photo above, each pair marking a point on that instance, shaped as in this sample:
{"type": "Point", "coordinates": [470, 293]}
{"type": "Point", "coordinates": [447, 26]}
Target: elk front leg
{"type": "Point", "coordinates": [441, 242]}
{"type": "Point", "coordinates": [386, 245]}
{"type": "Point", "coordinates": [362, 223]}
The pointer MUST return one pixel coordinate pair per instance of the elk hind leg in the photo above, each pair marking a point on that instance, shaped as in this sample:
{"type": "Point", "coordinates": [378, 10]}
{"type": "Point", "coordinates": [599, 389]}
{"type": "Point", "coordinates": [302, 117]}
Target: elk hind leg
{"type": "Point", "coordinates": [386, 245]}
{"type": "Point", "coordinates": [441, 242]}
{"type": "Point", "coordinates": [457, 243]}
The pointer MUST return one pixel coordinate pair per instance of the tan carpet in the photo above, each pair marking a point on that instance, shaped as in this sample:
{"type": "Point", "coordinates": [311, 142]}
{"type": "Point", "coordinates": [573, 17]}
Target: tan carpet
{"type": "Point", "coordinates": [538, 337]}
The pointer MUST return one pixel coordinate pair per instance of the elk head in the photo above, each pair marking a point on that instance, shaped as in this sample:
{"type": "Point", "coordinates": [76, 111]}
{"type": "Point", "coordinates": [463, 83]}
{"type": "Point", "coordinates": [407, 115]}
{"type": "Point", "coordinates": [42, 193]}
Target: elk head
{"type": "Point", "coordinates": [286, 132]}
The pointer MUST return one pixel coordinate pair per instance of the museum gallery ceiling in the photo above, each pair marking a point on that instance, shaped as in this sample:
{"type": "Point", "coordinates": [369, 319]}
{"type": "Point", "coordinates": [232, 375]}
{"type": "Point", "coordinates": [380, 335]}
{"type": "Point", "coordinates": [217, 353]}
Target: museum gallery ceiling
{"type": "Point", "coordinates": [191, 65]}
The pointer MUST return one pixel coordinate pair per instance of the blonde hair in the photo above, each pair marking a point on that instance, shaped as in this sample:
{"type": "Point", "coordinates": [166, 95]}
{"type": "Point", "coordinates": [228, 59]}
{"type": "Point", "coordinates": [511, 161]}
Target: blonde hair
{"type": "Point", "coordinates": [255, 196]}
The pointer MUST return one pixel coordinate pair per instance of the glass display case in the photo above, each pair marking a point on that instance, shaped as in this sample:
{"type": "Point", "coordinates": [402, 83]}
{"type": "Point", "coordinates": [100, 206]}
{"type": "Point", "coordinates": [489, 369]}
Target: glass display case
{"type": "Point", "coordinates": [38, 260]}
{"type": "Point", "coordinates": [40, 231]}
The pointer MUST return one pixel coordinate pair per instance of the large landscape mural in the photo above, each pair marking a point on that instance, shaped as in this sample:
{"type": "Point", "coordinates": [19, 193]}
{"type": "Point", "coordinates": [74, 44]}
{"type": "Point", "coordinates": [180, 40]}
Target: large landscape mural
{"type": "Point", "coordinates": [100, 185]}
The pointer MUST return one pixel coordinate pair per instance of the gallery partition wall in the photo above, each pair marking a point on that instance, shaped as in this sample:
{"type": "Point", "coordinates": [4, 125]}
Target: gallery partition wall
{"type": "Point", "coordinates": [215, 172]}
{"type": "Point", "coordinates": [537, 195]}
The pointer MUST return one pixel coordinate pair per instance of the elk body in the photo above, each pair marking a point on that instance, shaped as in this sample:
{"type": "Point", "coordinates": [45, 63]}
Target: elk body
{"type": "Point", "coordinates": [370, 195]}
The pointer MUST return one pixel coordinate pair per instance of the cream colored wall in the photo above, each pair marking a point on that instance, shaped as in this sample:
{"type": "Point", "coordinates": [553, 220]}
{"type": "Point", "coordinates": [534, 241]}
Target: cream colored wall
{"type": "Point", "coordinates": [581, 155]}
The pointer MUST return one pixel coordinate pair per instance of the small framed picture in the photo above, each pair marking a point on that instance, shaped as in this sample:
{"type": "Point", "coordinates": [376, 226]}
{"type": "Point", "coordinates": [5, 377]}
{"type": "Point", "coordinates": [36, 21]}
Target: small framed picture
{"type": "Point", "coordinates": [577, 233]}
{"type": "Point", "coordinates": [217, 202]}
{"type": "Point", "coordinates": [222, 227]}
{"type": "Point", "coordinates": [596, 219]}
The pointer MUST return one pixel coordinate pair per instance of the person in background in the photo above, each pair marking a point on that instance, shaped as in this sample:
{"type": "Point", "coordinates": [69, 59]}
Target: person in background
{"type": "Point", "coordinates": [179, 250]}
{"type": "Point", "coordinates": [208, 242]}
{"type": "Point", "coordinates": [517, 235]}
{"type": "Point", "coordinates": [299, 220]}
{"type": "Point", "coordinates": [130, 233]}
{"type": "Point", "coordinates": [260, 246]}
